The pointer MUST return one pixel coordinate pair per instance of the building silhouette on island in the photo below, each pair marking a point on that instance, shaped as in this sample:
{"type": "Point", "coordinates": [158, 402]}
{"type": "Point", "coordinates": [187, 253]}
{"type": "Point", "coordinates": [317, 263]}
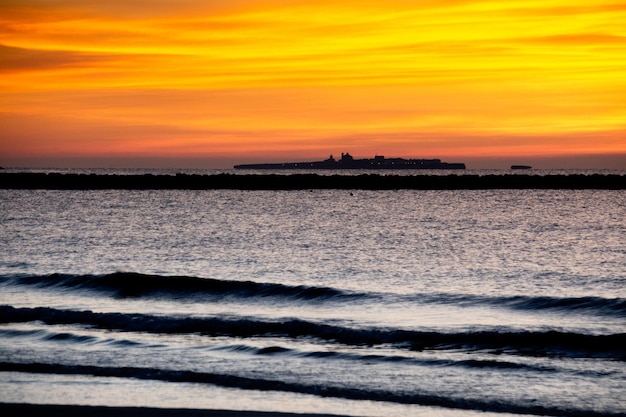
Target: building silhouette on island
{"type": "Point", "coordinates": [348, 162]}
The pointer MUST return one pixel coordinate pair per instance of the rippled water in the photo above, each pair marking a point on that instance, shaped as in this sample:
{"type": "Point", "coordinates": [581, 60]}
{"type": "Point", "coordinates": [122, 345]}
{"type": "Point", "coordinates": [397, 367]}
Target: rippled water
{"type": "Point", "coordinates": [508, 301]}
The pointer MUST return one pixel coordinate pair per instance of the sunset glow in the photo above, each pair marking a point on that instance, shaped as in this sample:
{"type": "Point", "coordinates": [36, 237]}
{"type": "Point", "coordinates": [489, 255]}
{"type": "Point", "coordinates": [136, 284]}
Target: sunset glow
{"type": "Point", "coordinates": [259, 80]}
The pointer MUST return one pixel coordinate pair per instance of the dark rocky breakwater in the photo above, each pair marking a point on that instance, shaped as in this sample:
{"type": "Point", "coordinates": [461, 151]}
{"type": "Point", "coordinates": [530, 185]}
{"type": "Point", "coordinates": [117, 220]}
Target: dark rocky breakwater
{"type": "Point", "coordinates": [56, 181]}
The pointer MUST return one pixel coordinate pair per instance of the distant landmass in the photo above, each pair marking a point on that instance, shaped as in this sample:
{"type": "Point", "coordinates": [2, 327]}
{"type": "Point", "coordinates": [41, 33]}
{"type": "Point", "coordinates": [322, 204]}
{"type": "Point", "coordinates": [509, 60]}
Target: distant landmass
{"type": "Point", "coordinates": [348, 162]}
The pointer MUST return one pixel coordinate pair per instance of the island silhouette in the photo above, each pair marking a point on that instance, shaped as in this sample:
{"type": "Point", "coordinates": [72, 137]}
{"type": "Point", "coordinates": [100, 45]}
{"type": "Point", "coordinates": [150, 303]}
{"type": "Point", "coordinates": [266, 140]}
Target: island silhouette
{"type": "Point", "coordinates": [348, 162]}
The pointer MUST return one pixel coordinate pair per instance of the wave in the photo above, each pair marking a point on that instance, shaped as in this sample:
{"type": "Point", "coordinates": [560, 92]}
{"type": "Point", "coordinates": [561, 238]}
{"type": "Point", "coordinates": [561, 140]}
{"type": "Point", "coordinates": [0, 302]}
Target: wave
{"type": "Point", "coordinates": [129, 284]}
{"type": "Point", "coordinates": [529, 343]}
{"type": "Point", "coordinates": [369, 358]}
{"type": "Point", "coordinates": [63, 337]}
{"type": "Point", "coordinates": [232, 381]}
{"type": "Point", "coordinates": [70, 338]}
{"type": "Point", "coordinates": [597, 305]}
{"type": "Point", "coordinates": [136, 285]}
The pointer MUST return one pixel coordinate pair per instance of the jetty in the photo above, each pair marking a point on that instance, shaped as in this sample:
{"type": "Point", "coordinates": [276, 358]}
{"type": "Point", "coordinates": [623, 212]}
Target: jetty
{"type": "Point", "coordinates": [307, 181]}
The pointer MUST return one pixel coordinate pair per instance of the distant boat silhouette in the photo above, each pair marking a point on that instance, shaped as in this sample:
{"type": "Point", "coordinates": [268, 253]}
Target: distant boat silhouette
{"type": "Point", "coordinates": [348, 162]}
{"type": "Point", "coordinates": [521, 167]}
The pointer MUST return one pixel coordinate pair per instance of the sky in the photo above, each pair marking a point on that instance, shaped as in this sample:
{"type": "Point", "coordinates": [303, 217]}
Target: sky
{"type": "Point", "coordinates": [211, 83]}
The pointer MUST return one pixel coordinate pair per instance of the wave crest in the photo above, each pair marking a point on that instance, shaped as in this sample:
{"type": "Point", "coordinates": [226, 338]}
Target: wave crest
{"type": "Point", "coordinates": [130, 284]}
{"type": "Point", "coordinates": [233, 381]}
{"type": "Point", "coordinates": [530, 343]}
{"type": "Point", "coordinates": [136, 285]}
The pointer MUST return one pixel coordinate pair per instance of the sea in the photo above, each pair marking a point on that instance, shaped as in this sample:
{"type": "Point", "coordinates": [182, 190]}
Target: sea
{"type": "Point", "coordinates": [456, 303]}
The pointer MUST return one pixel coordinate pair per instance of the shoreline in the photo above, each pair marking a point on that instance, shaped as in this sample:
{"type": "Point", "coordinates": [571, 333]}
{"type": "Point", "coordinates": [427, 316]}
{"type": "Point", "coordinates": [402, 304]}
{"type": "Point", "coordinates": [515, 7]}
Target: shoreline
{"type": "Point", "coordinates": [54, 410]}
{"type": "Point", "coordinates": [55, 181]}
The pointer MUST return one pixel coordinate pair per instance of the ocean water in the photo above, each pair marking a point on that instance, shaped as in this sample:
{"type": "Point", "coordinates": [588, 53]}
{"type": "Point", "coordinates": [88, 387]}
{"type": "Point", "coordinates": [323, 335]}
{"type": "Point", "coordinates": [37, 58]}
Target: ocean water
{"type": "Point", "coordinates": [364, 303]}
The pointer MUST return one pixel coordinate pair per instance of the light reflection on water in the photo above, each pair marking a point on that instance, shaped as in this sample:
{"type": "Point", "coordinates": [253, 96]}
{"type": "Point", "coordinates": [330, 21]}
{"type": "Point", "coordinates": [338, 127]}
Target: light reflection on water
{"type": "Point", "coordinates": [119, 392]}
{"type": "Point", "coordinates": [426, 260]}
{"type": "Point", "coordinates": [479, 242]}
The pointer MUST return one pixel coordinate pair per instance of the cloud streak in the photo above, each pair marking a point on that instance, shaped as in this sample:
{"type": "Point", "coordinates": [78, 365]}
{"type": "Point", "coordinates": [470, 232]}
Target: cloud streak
{"type": "Point", "coordinates": [289, 75]}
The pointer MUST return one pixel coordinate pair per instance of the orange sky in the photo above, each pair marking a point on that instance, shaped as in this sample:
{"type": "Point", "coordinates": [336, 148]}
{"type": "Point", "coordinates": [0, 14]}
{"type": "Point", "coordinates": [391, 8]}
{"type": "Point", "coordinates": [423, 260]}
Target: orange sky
{"type": "Point", "coordinates": [240, 80]}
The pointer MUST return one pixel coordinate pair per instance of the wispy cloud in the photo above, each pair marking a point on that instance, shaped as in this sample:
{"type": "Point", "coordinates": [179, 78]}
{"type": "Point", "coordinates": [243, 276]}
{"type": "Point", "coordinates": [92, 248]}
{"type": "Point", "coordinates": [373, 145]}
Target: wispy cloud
{"type": "Point", "coordinates": [288, 75]}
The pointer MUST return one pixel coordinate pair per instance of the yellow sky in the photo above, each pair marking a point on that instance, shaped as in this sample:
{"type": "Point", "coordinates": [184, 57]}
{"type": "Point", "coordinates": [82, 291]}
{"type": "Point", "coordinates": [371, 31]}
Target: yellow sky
{"type": "Point", "coordinates": [254, 79]}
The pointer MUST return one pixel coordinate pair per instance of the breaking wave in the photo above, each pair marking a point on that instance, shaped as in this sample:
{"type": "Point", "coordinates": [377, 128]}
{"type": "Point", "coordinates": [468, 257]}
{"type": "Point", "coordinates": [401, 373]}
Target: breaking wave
{"type": "Point", "coordinates": [531, 343]}
{"type": "Point", "coordinates": [233, 381]}
{"type": "Point", "coordinates": [128, 284]}
{"type": "Point", "coordinates": [135, 285]}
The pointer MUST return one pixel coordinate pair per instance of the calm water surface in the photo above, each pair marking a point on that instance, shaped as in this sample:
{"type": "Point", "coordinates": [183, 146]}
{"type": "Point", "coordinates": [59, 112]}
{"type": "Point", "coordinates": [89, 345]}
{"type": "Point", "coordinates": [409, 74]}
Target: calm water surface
{"type": "Point", "coordinates": [382, 303]}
